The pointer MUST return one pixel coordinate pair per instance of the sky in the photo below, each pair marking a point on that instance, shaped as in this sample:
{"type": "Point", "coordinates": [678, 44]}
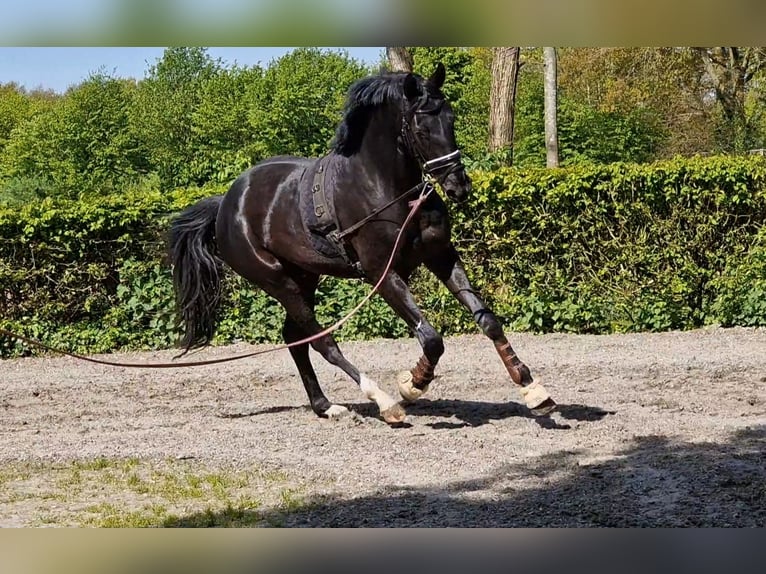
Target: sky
{"type": "Point", "coordinates": [58, 68]}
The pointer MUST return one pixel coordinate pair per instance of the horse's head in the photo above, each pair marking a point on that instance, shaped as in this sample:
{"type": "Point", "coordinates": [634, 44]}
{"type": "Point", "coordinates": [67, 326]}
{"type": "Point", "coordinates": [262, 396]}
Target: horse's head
{"type": "Point", "coordinates": [429, 130]}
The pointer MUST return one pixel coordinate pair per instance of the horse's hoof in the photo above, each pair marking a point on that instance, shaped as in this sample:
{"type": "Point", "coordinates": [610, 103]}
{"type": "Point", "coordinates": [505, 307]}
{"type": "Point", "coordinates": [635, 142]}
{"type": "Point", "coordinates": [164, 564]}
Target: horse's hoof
{"type": "Point", "coordinates": [336, 412]}
{"type": "Point", "coordinates": [406, 389]}
{"type": "Point", "coordinates": [545, 408]}
{"type": "Point", "coordinates": [394, 415]}
{"type": "Point", "coordinates": [537, 399]}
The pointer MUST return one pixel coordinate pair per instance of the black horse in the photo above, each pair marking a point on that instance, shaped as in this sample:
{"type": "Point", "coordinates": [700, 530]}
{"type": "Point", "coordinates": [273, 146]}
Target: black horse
{"type": "Point", "coordinates": [287, 220]}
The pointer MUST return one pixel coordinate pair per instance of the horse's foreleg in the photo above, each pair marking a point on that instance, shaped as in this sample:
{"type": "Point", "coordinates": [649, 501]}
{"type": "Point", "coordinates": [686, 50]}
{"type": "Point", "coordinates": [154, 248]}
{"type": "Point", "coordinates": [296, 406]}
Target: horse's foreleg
{"type": "Point", "coordinates": [450, 271]}
{"type": "Point", "coordinates": [397, 294]}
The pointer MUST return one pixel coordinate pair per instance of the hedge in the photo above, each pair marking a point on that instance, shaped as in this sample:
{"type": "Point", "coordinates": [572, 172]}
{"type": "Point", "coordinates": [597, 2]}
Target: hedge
{"type": "Point", "coordinates": [588, 249]}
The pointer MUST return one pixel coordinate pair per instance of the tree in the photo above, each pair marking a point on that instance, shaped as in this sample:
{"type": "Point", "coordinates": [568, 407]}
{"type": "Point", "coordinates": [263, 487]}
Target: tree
{"type": "Point", "coordinates": [81, 144]}
{"type": "Point", "coordinates": [588, 129]}
{"type": "Point", "coordinates": [296, 106]}
{"type": "Point", "coordinates": [505, 70]}
{"type": "Point", "coordinates": [730, 71]}
{"type": "Point", "coordinates": [163, 113]}
{"type": "Point", "coordinates": [221, 135]}
{"type": "Point", "coordinates": [98, 139]}
{"type": "Point", "coordinates": [660, 89]}
{"type": "Point", "coordinates": [551, 91]}
{"type": "Point", "coordinates": [399, 59]}
{"type": "Point", "coordinates": [467, 87]}
{"type": "Point", "coordinates": [14, 109]}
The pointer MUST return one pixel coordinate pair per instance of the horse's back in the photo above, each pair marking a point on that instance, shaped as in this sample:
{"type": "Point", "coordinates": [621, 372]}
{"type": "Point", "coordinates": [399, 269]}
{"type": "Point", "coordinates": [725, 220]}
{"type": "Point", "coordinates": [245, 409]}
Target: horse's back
{"type": "Point", "coordinates": [261, 182]}
{"type": "Point", "coordinates": [263, 198]}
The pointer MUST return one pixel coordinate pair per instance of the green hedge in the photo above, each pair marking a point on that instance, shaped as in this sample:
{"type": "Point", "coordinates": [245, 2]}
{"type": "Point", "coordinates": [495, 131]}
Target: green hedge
{"type": "Point", "coordinates": [620, 247]}
{"type": "Point", "coordinates": [591, 249]}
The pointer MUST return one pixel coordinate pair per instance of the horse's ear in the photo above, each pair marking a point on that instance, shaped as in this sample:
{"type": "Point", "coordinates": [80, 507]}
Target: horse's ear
{"type": "Point", "coordinates": [437, 78]}
{"type": "Point", "coordinates": [411, 88]}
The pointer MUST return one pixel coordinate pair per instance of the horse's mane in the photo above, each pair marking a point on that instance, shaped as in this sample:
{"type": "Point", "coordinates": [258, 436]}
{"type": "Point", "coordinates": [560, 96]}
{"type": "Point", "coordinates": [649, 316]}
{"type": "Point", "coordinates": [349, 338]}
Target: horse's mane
{"type": "Point", "coordinates": [363, 95]}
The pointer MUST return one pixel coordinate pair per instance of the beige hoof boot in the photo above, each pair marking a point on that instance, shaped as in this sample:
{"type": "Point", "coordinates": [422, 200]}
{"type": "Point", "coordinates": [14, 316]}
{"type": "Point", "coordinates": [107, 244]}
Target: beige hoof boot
{"type": "Point", "coordinates": [407, 390]}
{"type": "Point", "coordinates": [394, 415]}
{"type": "Point", "coordinates": [537, 399]}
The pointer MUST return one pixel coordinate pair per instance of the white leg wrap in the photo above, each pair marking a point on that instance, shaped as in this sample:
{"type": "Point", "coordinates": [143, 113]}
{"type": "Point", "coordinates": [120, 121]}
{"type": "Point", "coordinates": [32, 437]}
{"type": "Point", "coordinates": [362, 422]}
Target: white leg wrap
{"type": "Point", "coordinates": [336, 411]}
{"type": "Point", "coordinates": [374, 393]}
{"type": "Point", "coordinates": [534, 395]}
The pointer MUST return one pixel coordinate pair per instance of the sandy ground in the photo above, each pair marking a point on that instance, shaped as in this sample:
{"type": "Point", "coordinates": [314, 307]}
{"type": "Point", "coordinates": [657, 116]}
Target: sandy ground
{"type": "Point", "coordinates": [653, 429]}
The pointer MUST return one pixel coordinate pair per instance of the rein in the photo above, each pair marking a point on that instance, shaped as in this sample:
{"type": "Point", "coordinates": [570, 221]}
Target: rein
{"type": "Point", "coordinates": [359, 224]}
{"type": "Point", "coordinates": [427, 189]}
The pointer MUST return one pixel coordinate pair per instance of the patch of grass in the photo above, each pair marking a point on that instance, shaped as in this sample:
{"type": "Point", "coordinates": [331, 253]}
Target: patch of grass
{"type": "Point", "coordinates": [68, 480]}
{"type": "Point", "coordinates": [292, 500]}
{"type": "Point", "coordinates": [96, 464]}
{"type": "Point", "coordinates": [47, 520]}
{"type": "Point", "coordinates": [14, 473]}
{"type": "Point", "coordinates": [242, 513]}
{"type": "Point", "coordinates": [107, 515]}
{"type": "Point", "coordinates": [130, 493]}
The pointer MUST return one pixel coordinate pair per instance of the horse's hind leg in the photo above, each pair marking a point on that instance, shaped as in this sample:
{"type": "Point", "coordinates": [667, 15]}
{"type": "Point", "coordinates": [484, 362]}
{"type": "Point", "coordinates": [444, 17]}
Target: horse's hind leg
{"type": "Point", "coordinates": [325, 345]}
{"type": "Point", "coordinates": [300, 354]}
{"type": "Point", "coordinates": [448, 268]}
{"type": "Point", "coordinates": [290, 289]}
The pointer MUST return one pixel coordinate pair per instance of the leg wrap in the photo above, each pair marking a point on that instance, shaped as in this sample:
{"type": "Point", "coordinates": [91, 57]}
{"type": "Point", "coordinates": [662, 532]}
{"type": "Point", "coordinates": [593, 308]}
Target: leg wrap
{"type": "Point", "coordinates": [534, 394]}
{"type": "Point", "coordinates": [516, 369]}
{"type": "Point", "coordinates": [422, 374]}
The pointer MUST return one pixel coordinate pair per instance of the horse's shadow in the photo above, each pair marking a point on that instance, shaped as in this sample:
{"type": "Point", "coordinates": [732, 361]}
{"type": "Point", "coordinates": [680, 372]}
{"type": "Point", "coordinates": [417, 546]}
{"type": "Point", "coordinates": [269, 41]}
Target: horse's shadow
{"type": "Point", "coordinates": [478, 413]}
{"type": "Point", "coordinates": [468, 413]}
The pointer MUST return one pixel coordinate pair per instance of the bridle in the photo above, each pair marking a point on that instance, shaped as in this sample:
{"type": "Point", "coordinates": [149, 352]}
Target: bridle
{"type": "Point", "coordinates": [433, 171]}
{"type": "Point", "coordinates": [438, 168]}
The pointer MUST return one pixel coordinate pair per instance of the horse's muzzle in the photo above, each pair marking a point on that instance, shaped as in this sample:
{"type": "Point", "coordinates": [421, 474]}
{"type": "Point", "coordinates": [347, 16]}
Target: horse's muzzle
{"type": "Point", "coordinates": [457, 186]}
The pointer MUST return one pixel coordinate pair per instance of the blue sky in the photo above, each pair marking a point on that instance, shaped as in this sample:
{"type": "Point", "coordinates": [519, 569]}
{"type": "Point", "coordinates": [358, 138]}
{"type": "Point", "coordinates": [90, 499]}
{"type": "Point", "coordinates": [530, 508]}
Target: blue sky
{"type": "Point", "coordinates": [58, 68]}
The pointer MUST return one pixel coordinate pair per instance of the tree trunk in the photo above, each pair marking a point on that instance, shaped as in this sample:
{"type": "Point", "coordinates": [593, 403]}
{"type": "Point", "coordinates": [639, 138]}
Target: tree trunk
{"type": "Point", "coordinates": [399, 59]}
{"type": "Point", "coordinates": [502, 100]}
{"type": "Point", "coordinates": [551, 127]}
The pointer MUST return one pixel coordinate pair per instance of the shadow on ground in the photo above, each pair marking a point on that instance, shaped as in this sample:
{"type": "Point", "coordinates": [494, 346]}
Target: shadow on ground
{"type": "Point", "coordinates": [468, 413]}
{"type": "Point", "coordinates": [653, 482]}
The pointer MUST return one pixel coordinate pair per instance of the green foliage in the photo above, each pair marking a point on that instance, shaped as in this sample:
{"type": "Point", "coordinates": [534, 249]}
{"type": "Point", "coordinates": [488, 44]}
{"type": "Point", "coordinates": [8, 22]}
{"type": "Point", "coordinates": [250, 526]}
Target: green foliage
{"type": "Point", "coordinates": [741, 287]}
{"type": "Point", "coordinates": [586, 133]}
{"type": "Point", "coordinates": [34, 150]}
{"type": "Point", "coordinates": [336, 297]}
{"type": "Point", "coordinates": [145, 300]}
{"type": "Point", "coordinates": [162, 115]}
{"type": "Point", "coordinates": [20, 190]}
{"type": "Point", "coordinates": [298, 103]}
{"type": "Point", "coordinates": [467, 87]}
{"type": "Point", "coordinates": [81, 143]}
{"type": "Point", "coordinates": [223, 140]}
{"type": "Point", "coordinates": [621, 247]}
{"type": "Point", "coordinates": [14, 109]}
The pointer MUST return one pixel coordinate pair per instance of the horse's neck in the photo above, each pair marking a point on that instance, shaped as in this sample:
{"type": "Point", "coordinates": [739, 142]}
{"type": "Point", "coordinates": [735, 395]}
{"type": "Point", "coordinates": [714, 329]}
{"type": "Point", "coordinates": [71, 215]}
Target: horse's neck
{"type": "Point", "coordinates": [381, 156]}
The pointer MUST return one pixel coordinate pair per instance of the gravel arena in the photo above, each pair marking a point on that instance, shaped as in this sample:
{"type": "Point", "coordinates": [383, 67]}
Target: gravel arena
{"type": "Point", "coordinates": [664, 429]}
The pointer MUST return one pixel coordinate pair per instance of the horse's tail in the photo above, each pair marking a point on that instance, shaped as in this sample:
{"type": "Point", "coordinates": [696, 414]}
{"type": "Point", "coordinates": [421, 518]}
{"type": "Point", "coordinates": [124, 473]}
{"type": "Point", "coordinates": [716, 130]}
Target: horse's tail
{"type": "Point", "coordinates": [197, 271]}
